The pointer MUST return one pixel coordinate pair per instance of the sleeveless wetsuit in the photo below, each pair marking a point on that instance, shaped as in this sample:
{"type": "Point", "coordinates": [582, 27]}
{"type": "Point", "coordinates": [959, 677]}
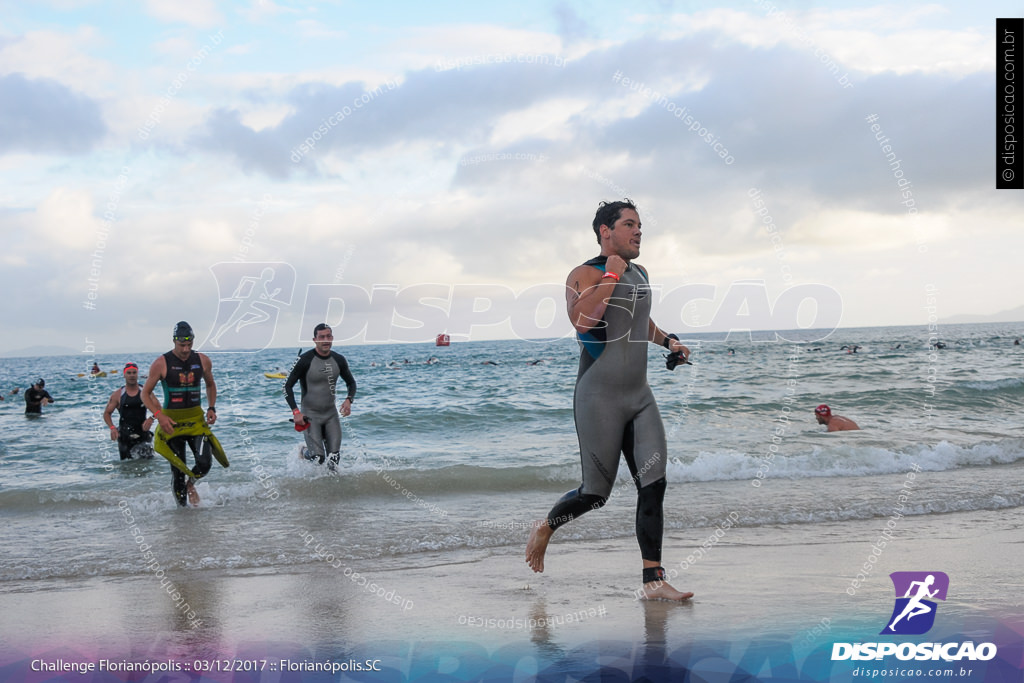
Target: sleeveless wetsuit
{"type": "Point", "coordinates": [318, 377]}
{"type": "Point", "coordinates": [131, 414]}
{"type": "Point", "coordinates": [615, 412]}
{"type": "Point", "coordinates": [182, 404]}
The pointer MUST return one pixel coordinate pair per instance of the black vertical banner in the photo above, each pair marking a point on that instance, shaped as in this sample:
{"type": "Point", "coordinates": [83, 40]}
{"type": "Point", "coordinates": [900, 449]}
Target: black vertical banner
{"type": "Point", "coordinates": [1009, 76]}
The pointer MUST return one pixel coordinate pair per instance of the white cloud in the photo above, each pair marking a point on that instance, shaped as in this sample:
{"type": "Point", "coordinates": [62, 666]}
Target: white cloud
{"type": "Point", "coordinates": [198, 13]}
{"type": "Point", "coordinates": [311, 28]}
{"type": "Point", "coordinates": [178, 47]}
{"type": "Point", "coordinates": [61, 56]}
{"type": "Point", "coordinates": [852, 230]}
{"type": "Point", "coordinates": [66, 218]}
{"type": "Point", "coordinates": [466, 46]}
{"type": "Point", "coordinates": [259, 118]}
{"type": "Point", "coordinates": [549, 120]}
{"type": "Point", "coordinates": [855, 39]}
{"type": "Point", "coordinates": [265, 10]}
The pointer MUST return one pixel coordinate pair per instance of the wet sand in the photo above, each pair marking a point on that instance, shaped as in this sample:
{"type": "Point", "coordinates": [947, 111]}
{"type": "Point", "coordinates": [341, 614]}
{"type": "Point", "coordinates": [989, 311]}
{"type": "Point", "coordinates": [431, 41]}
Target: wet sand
{"type": "Point", "coordinates": [465, 614]}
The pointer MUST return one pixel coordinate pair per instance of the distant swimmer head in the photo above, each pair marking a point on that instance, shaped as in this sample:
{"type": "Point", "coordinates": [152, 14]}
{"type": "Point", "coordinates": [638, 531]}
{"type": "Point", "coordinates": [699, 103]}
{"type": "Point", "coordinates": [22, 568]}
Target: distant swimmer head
{"type": "Point", "coordinates": [130, 366]}
{"type": "Point", "coordinates": [183, 332]}
{"type": "Point", "coordinates": [40, 383]}
{"type": "Point", "coordinates": [823, 410]}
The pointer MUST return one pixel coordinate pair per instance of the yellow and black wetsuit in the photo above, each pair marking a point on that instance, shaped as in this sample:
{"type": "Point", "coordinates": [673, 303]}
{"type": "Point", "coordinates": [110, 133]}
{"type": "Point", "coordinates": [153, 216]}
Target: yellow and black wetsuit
{"type": "Point", "coordinates": [182, 404]}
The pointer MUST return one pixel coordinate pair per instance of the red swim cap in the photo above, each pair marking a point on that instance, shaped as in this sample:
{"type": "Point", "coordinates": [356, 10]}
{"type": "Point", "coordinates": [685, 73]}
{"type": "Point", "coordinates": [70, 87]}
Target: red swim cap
{"type": "Point", "coordinates": [823, 410]}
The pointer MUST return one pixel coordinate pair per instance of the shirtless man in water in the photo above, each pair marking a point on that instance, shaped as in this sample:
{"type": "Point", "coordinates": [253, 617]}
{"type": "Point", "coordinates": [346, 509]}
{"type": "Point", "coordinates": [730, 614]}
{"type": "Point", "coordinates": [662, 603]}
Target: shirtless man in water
{"type": "Point", "coordinates": [836, 423]}
{"type": "Point", "coordinates": [609, 303]}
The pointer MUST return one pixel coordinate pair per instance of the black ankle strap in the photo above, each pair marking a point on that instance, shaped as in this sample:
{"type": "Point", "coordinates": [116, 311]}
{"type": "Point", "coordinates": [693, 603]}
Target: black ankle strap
{"type": "Point", "coordinates": [654, 574]}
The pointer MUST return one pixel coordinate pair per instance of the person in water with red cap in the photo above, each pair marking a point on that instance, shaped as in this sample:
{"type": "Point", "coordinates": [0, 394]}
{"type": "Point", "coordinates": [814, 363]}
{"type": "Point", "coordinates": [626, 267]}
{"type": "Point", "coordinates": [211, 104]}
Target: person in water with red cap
{"type": "Point", "coordinates": [836, 423]}
{"type": "Point", "coordinates": [133, 426]}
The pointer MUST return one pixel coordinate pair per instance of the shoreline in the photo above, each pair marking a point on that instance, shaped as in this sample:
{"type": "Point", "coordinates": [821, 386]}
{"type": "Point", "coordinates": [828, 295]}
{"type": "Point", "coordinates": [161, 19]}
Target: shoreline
{"type": "Point", "coordinates": [782, 584]}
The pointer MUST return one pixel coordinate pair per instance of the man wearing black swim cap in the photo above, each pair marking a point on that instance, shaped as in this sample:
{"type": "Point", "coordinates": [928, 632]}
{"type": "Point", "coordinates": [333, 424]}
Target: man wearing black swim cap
{"type": "Point", "coordinates": [36, 397]}
{"type": "Point", "coordinates": [181, 420]}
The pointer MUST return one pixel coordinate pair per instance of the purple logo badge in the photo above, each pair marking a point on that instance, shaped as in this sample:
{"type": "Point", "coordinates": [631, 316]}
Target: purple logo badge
{"type": "Point", "coordinates": [916, 592]}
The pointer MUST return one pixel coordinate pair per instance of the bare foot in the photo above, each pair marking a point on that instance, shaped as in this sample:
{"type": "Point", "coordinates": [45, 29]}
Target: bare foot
{"type": "Point", "coordinates": [193, 497]}
{"type": "Point", "coordinates": [538, 545]}
{"type": "Point", "coordinates": [661, 590]}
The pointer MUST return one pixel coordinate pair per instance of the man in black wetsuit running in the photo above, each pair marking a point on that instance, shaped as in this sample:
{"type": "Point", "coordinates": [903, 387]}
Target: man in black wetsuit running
{"type": "Point", "coordinates": [609, 303]}
{"type": "Point", "coordinates": [181, 419]}
{"type": "Point", "coordinates": [317, 372]}
{"type": "Point", "coordinates": [133, 425]}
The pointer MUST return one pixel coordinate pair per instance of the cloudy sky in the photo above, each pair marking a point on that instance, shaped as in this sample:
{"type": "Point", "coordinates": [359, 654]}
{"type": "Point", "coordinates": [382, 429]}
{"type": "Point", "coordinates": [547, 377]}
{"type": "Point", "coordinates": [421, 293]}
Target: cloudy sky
{"type": "Point", "coordinates": [158, 158]}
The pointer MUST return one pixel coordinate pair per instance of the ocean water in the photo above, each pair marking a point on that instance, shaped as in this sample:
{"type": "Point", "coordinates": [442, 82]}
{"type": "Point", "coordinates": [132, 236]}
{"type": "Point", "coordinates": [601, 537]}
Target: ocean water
{"type": "Point", "coordinates": [455, 459]}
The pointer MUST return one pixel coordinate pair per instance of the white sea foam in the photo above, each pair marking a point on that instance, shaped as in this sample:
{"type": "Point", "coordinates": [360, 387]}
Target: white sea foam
{"type": "Point", "coordinates": [843, 460]}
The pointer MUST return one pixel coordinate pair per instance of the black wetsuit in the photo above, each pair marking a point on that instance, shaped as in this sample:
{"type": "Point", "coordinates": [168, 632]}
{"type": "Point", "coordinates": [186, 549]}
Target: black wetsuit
{"type": "Point", "coordinates": [34, 400]}
{"type": "Point", "coordinates": [615, 413]}
{"type": "Point", "coordinates": [181, 390]}
{"type": "Point", "coordinates": [318, 376]}
{"type": "Point", "coordinates": [131, 415]}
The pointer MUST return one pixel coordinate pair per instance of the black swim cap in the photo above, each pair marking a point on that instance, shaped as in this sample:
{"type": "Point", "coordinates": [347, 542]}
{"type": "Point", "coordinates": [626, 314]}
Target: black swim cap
{"type": "Point", "coordinates": [40, 382]}
{"type": "Point", "coordinates": [183, 331]}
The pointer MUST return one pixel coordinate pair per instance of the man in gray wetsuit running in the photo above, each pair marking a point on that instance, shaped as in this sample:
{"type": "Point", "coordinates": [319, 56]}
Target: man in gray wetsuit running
{"type": "Point", "coordinates": [317, 371]}
{"type": "Point", "coordinates": [609, 303]}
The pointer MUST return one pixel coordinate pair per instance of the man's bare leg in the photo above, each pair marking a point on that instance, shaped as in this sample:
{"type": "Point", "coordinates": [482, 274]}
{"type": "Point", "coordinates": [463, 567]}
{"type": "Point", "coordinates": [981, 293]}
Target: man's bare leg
{"type": "Point", "coordinates": [660, 589]}
{"type": "Point", "coordinates": [538, 545]}
{"type": "Point", "coordinates": [193, 495]}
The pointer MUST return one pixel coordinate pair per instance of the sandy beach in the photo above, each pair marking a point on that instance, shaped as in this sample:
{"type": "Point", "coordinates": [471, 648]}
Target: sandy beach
{"type": "Point", "coordinates": [461, 614]}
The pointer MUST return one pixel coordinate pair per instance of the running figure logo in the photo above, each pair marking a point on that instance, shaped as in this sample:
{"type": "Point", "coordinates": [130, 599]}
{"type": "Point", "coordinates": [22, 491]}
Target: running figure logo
{"type": "Point", "coordinates": [247, 318]}
{"type": "Point", "coordinates": [914, 612]}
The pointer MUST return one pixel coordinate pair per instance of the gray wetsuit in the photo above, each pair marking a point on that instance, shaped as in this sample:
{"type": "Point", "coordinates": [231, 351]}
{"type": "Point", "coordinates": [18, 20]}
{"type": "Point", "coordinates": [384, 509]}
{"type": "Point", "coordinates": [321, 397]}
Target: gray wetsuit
{"type": "Point", "coordinates": [616, 414]}
{"type": "Point", "coordinates": [318, 376]}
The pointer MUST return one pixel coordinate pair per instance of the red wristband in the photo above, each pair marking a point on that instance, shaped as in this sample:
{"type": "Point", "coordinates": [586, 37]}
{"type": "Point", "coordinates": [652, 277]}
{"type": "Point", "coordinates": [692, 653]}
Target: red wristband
{"type": "Point", "coordinates": [610, 275]}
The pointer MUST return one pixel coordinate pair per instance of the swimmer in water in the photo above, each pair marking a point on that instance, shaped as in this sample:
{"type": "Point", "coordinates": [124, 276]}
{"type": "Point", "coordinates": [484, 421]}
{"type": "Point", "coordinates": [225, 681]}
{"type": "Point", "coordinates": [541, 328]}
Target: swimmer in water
{"type": "Point", "coordinates": [836, 423]}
